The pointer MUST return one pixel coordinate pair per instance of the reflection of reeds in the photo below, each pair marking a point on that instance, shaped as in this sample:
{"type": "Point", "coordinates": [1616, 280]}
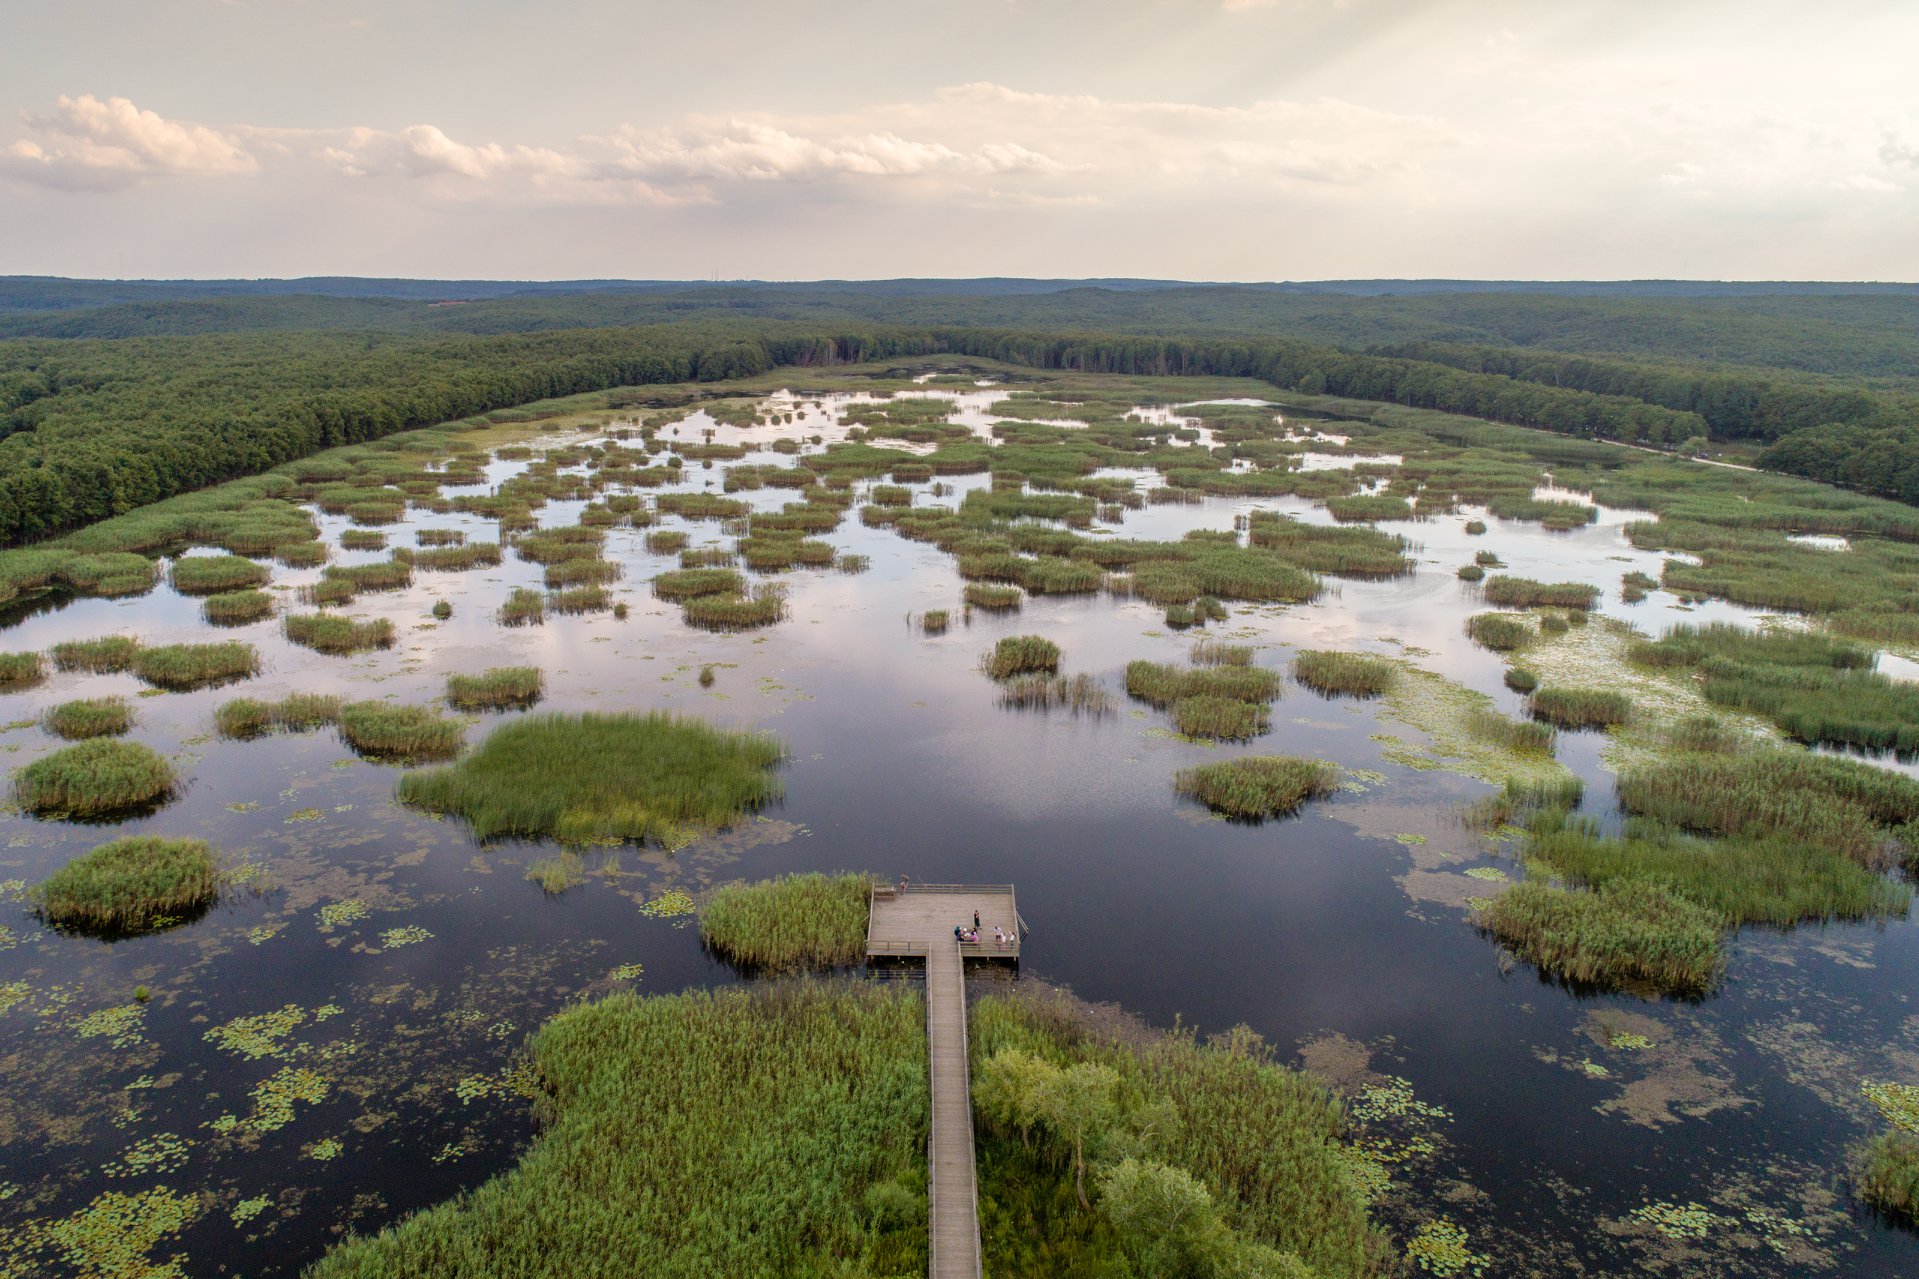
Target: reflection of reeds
{"type": "Point", "coordinates": [1080, 694]}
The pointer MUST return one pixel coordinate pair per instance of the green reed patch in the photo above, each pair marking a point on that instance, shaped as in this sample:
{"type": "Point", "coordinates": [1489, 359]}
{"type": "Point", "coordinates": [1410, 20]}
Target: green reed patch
{"type": "Point", "coordinates": [1369, 506]}
{"type": "Point", "coordinates": [1625, 935]}
{"type": "Point", "coordinates": [1885, 1172]}
{"type": "Point", "coordinates": [1523, 592]}
{"type": "Point", "coordinates": [666, 541]}
{"type": "Point", "coordinates": [100, 656]}
{"type": "Point", "coordinates": [386, 730]}
{"type": "Point", "coordinates": [764, 605]}
{"type": "Point", "coordinates": [1521, 736]}
{"type": "Point", "coordinates": [1220, 718]}
{"type": "Point", "coordinates": [791, 923]}
{"type": "Point", "coordinates": [385, 575]}
{"type": "Point", "coordinates": [331, 633]}
{"type": "Point", "coordinates": [132, 884]}
{"type": "Point", "coordinates": [453, 559]}
{"type": "Point", "coordinates": [1501, 632]}
{"type": "Point", "coordinates": [93, 779]}
{"type": "Point", "coordinates": [498, 688]}
{"type": "Point", "coordinates": [524, 607]}
{"type": "Point", "coordinates": [183, 667]}
{"type": "Point", "coordinates": [1521, 680]}
{"type": "Point", "coordinates": [995, 597]}
{"type": "Point", "coordinates": [236, 608]}
{"type": "Point", "coordinates": [89, 717]}
{"type": "Point", "coordinates": [245, 717]}
{"type": "Point", "coordinates": [1161, 684]}
{"type": "Point", "coordinates": [1253, 787]}
{"type": "Point", "coordinates": [593, 777]}
{"type": "Point", "coordinates": [362, 539]}
{"type": "Point", "coordinates": [1580, 707]}
{"type": "Point", "coordinates": [834, 1106]}
{"type": "Point", "coordinates": [210, 574]}
{"type": "Point", "coordinates": [1019, 655]}
{"type": "Point", "coordinates": [690, 583]}
{"type": "Point", "coordinates": [1345, 552]}
{"type": "Point", "coordinates": [1471, 572]}
{"type": "Point", "coordinates": [1349, 674]}
{"type": "Point", "coordinates": [21, 670]}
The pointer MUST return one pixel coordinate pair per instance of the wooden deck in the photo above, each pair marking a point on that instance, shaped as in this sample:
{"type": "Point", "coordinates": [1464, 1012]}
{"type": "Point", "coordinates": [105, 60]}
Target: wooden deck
{"type": "Point", "coordinates": [919, 923]}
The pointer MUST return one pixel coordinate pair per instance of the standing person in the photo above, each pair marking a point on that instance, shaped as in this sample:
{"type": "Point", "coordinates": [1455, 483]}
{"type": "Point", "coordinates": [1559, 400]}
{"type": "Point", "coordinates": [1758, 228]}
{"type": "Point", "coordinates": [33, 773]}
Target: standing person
{"type": "Point", "coordinates": [902, 883]}
{"type": "Point", "coordinates": [975, 921]}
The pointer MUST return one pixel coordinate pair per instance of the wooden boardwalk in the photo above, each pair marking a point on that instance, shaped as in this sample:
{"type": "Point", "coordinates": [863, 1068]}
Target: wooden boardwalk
{"type": "Point", "coordinates": [920, 923]}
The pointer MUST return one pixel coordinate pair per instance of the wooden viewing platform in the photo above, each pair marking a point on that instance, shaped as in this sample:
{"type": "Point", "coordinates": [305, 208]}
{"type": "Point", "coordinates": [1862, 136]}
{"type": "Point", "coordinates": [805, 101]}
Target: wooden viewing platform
{"type": "Point", "coordinates": [918, 922]}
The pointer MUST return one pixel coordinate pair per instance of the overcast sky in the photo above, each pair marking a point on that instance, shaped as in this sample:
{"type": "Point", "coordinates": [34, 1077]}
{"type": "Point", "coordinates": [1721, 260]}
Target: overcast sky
{"type": "Point", "coordinates": [803, 139]}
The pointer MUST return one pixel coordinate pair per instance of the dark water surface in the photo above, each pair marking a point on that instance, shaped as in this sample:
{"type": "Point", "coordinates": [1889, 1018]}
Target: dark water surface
{"type": "Point", "coordinates": [404, 964]}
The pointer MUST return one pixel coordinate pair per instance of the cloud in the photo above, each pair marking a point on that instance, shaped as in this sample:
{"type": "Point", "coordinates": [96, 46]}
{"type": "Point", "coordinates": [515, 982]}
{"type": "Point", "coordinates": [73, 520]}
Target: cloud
{"type": "Point", "coordinates": [89, 145]}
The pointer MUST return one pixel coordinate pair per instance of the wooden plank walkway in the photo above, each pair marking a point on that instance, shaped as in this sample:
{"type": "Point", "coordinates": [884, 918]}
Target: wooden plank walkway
{"type": "Point", "coordinates": [919, 922]}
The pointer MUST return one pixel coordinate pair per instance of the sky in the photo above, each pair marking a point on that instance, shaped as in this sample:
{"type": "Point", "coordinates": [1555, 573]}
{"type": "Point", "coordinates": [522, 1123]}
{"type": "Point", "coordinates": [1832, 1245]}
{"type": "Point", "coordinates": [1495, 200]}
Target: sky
{"type": "Point", "coordinates": [808, 139]}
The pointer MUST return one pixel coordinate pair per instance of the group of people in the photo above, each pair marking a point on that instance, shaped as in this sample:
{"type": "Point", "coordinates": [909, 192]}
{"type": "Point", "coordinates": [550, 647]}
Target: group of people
{"type": "Point", "coordinates": [961, 932]}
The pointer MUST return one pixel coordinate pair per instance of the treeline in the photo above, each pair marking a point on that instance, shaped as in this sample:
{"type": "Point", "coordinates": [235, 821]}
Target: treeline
{"type": "Point", "coordinates": [94, 429]}
{"type": "Point", "coordinates": [1735, 405]}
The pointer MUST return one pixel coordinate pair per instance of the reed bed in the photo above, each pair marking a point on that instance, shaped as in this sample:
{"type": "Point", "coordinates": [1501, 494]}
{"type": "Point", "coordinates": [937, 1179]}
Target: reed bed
{"type": "Point", "coordinates": [1220, 718]}
{"type": "Point", "coordinates": [211, 574]}
{"type": "Point", "coordinates": [1161, 685]}
{"type": "Point", "coordinates": [1521, 680]}
{"type": "Point", "coordinates": [184, 667]}
{"type": "Point", "coordinates": [580, 599]}
{"type": "Point", "coordinates": [1209, 652]}
{"type": "Point", "coordinates": [1501, 632]}
{"type": "Point", "coordinates": [1180, 617]}
{"type": "Point", "coordinates": [498, 688]}
{"type": "Point", "coordinates": [666, 541]}
{"type": "Point", "coordinates": [1523, 592]}
{"type": "Point", "coordinates": [93, 779]}
{"type": "Point", "coordinates": [21, 670]}
{"type": "Point", "coordinates": [581, 778]}
{"type": "Point", "coordinates": [1471, 572]}
{"type": "Point", "coordinates": [386, 730]}
{"type": "Point", "coordinates": [849, 562]}
{"type": "Point", "coordinates": [934, 621]}
{"type": "Point", "coordinates": [1255, 787]}
{"type": "Point", "coordinates": [439, 537]}
{"type": "Point", "coordinates": [1885, 1173]}
{"type": "Point", "coordinates": [552, 545]}
{"type": "Point", "coordinates": [1021, 655]}
{"type": "Point", "coordinates": [686, 584]}
{"type": "Point", "coordinates": [89, 717]}
{"type": "Point", "coordinates": [1525, 737]}
{"type": "Point", "coordinates": [247, 717]}
{"type": "Point", "coordinates": [101, 656]}
{"type": "Point", "coordinates": [703, 506]}
{"type": "Point", "coordinates": [581, 572]}
{"type": "Point", "coordinates": [524, 607]}
{"type": "Point", "coordinates": [1580, 707]}
{"type": "Point", "coordinates": [336, 635]}
{"type": "Point", "coordinates": [797, 1107]}
{"type": "Point", "coordinates": [1345, 552]}
{"type": "Point", "coordinates": [1625, 935]}
{"type": "Point", "coordinates": [1552, 625]}
{"type": "Point", "coordinates": [453, 559]}
{"type": "Point", "coordinates": [236, 608]}
{"type": "Point", "coordinates": [132, 885]}
{"type": "Point", "coordinates": [1343, 674]}
{"type": "Point", "coordinates": [1707, 734]}
{"type": "Point", "coordinates": [764, 605]}
{"type": "Point", "coordinates": [386, 575]}
{"type": "Point", "coordinates": [709, 557]}
{"type": "Point", "coordinates": [110, 573]}
{"type": "Point", "coordinates": [1080, 694]}
{"type": "Point", "coordinates": [994, 597]}
{"type": "Point", "coordinates": [326, 592]}
{"type": "Point", "coordinates": [362, 539]}
{"type": "Point", "coordinates": [442, 609]}
{"type": "Point", "coordinates": [1367, 507]}
{"type": "Point", "coordinates": [789, 924]}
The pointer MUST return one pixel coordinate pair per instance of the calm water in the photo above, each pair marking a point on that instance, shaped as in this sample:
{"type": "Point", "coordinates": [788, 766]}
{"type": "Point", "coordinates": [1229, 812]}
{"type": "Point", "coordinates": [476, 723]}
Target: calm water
{"type": "Point", "coordinates": [405, 964]}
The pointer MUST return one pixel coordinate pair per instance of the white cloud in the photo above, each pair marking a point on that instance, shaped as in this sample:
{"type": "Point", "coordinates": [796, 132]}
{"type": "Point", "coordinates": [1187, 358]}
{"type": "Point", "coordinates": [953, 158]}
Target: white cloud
{"type": "Point", "coordinates": [87, 144]}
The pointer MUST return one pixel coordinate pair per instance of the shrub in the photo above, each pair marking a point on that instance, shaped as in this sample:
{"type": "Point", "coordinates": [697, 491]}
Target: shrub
{"type": "Point", "coordinates": [786, 924]}
{"type": "Point", "coordinates": [1020, 654]}
{"type": "Point", "coordinates": [208, 574]}
{"type": "Point", "coordinates": [236, 608]}
{"type": "Point", "coordinates": [498, 687]}
{"type": "Point", "coordinates": [331, 633]}
{"type": "Point", "coordinates": [1581, 707]}
{"type": "Point", "coordinates": [580, 778]}
{"type": "Point", "coordinates": [1258, 786]}
{"type": "Point", "coordinates": [101, 656]}
{"type": "Point", "coordinates": [1622, 935]}
{"type": "Point", "coordinates": [182, 667]}
{"type": "Point", "coordinates": [94, 778]}
{"type": "Point", "coordinates": [132, 884]}
{"type": "Point", "coordinates": [97, 717]}
{"type": "Point", "coordinates": [1353, 674]}
{"type": "Point", "coordinates": [383, 730]}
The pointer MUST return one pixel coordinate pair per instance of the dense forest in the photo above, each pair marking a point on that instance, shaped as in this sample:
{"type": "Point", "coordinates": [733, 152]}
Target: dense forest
{"type": "Point", "coordinates": [127, 393]}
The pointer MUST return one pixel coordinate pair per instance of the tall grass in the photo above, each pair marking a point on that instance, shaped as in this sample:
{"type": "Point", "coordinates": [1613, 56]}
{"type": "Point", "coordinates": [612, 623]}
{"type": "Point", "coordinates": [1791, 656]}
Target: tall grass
{"type": "Point", "coordinates": [1581, 707]}
{"type": "Point", "coordinates": [100, 656]}
{"type": "Point", "coordinates": [770, 1130]}
{"type": "Point", "coordinates": [1523, 592]}
{"type": "Point", "coordinates": [666, 541]}
{"type": "Point", "coordinates": [386, 575]}
{"type": "Point", "coordinates": [181, 667]}
{"type": "Point", "coordinates": [21, 670]}
{"type": "Point", "coordinates": [587, 777]}
{"type": "Point", "coordinates": [132, 884]}
{"type": "Point", "coordinates": [994, 597]}
{"type": "Point", "coordinates": [1627, 934]}
{"type": "Point", "coordinates": [1501, 632]}
{"type": "Point", "coordinates": [1161, 685]}
{"type": "Point", "coordinates": [1335, 673]}
{"type": "Point", "coordinates": [1514, 735]}
{"type": "Point", "coordinates": [794, 922]}
{"type": "Point", "coordinates": [1254, 787]}
{"type": "Point", "coordinates": [93, 717]}
{"type": "Point", "coordinates": [359, 539]}
{"type": "Point", "coordinates": [685, 584]}
{"type": "Point", "coordinates": [764, 605]}
{"type": "Point", "coordinates": [523, 607]}
{"type": "Point", "coordinates": [208, 574]}
{"type": "Point", "coordinates": [331, 633]}
{"type": "Point", "coordinates": [1019, 655]}
{"type": "Point", "coordinates": [500, 687]}
{"type": "Point", "coordinates": [1886, 1174]}
{"type": "Point", "coordinates": [236, 608]}
{"type": "Point", "coordinates": [385, 730]}
{"type": "Point", "coordinates": [93, 779]}
{"type": "Point", "coordinates": [246, 717]}
{"type": "Point", "coordinates": [452, 559]}
{"type": "Point", "coordinates": [1347, 552]}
